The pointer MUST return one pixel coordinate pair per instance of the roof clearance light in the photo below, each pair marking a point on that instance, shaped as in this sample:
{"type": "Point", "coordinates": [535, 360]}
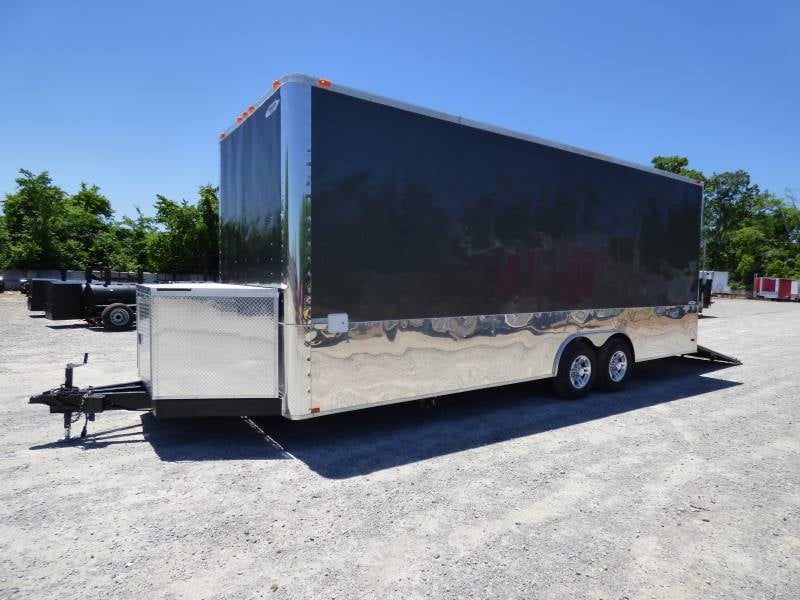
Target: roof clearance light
{"type": "Point", "coordinates": [276, 84]}
{"type": "Point", "coordinates": [251, 109]}
{"type": "Point", "coordinates": [245, 114]}
{"type": "Point", "coordinates": [239, 120]}
{"type": "Point", "coordinates": [324, 83]}
{"type": "Point", "coordinates": [222, 136]}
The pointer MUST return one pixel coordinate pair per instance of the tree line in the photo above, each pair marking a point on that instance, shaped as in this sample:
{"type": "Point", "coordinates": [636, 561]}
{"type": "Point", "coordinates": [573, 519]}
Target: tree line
{"type": "Point", "coordinates": [746, 230]}
{"type": "Point", "coordinates": [44, 227]}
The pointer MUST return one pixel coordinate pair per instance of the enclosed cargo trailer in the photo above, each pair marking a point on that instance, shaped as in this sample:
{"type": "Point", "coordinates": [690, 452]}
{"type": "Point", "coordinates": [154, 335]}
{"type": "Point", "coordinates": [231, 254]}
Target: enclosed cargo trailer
{"type": "Point", "coordinates": [412, 254]}
{"type": "Point", "coordinates": [719, 281]}
{"type": "Point", "coordinates": [772, 288]}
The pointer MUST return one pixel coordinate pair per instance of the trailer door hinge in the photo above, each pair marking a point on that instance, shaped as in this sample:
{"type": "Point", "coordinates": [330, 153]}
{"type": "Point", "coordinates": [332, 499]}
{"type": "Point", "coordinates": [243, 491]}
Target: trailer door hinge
{"type": "Point", "coordinates": [338, 323]}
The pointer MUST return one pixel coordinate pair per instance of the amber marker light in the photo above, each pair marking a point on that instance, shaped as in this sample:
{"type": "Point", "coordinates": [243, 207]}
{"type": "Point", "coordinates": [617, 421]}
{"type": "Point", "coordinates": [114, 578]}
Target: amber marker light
{"type": "Point", "coordinates": [324, 83]}
{"type": "Point", "coordinates": [239, 120]}
{"type": "Point", "coordinates": [276, 84]}
{"type": "Point", "coordinates": [251, 109]}
{"type": "Point", "coordinates": [222, 136]}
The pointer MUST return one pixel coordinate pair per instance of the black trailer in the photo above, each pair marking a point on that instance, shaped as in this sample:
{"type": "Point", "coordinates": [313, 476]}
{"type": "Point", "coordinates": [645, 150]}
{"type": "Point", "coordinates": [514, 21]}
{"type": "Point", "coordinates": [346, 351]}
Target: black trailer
{"type": "Point", "coordinates": [375, 252]}
{"type": "Point", "coordinates": [37, 293]}
{"type": "Point", "coordinates": [64, 300]}
{"type": "Point", "coordinates": [110, 305]}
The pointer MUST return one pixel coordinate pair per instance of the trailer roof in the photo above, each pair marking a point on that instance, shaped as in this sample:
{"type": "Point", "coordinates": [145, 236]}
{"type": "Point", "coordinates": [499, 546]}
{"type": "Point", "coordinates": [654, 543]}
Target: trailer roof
{"type": "Point", "coordinates": [356, 93]}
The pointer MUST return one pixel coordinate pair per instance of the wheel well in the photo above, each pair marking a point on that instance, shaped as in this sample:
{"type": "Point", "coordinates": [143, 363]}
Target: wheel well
{"type": "Point", "coordinates": [627, 340]}
{"type": "Point", "coordinates": [564, 347]}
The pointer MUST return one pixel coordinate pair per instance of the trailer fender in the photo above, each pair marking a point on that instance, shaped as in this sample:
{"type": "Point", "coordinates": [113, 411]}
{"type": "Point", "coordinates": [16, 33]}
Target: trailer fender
{"type": "Point", "coordinates": [596, 338]}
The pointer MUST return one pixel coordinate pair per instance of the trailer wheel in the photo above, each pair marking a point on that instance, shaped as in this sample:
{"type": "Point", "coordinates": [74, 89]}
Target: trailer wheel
{"type": "Point", "coordinates": [116, 317]}
{"type": "Point", "coordinates": [614, 365]}
{"type": "Point", "coordinates": [577, 370]}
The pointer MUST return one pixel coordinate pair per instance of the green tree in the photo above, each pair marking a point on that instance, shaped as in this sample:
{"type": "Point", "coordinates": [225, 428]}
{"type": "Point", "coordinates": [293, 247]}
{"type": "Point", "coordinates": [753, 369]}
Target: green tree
{"type": "Point", "coordinates": [730, 200]}
{"type": "Point", "coordinates": [84, 219]}
{"type": "Point", "coordinates": [127, 245]}
{"type": "Point", "coordinates": [44, 227]}
{"type": "Point", "coordinates": [745, 230]}
{"type": "Point", "coordinates": [31, 214]}
{"type": "Point", "coordinates": [208, 229]}
{"type": "Point", "coordinates": [188, 239]}
{"type": "Point", "coordinates": [678, 165]}
{"type": "Point", "coordinates": [47, 228]}
{"type": "Point", "coordinates": [5, 244]}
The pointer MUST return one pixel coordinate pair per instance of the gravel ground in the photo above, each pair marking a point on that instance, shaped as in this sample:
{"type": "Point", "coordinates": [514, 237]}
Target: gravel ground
{"type": "Point", "coordinates": [684, 485]}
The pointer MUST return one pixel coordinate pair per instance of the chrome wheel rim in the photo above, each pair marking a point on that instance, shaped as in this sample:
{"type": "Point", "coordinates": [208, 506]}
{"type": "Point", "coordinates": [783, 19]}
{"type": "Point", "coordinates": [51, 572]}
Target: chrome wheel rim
{"type": "Point", "coordinates": [580, 372]}
{"type": "Point", "coordinates": [118, 317]}
{"type": "Point", "coordinates": [617, 366]}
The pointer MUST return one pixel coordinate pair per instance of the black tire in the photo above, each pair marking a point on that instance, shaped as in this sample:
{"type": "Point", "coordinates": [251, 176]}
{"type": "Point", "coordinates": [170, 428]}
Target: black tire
{"type": "Point", "coordinates": [614, 370]}
{"type": "Point", "coordinates": [572, 384]}
{"type": "Point", "coordinates": [117, 317]}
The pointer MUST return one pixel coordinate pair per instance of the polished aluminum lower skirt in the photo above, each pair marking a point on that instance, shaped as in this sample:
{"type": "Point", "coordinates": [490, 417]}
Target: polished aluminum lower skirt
{"type": "Point", "coordinates": [380, 362]}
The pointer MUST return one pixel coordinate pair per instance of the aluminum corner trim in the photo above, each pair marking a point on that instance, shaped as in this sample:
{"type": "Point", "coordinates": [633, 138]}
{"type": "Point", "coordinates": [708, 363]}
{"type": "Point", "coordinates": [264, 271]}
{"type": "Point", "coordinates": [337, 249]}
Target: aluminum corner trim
{"type": "Point", "coordinates": [296, 200]}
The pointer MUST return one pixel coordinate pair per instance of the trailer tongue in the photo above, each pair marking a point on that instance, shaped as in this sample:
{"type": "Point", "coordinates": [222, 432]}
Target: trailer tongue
{"type": "Point", "coordinates": [74, 402]}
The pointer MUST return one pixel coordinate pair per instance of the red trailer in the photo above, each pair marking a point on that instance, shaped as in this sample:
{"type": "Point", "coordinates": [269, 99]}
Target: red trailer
{"type": "Point", "coordinates": [774, 288]}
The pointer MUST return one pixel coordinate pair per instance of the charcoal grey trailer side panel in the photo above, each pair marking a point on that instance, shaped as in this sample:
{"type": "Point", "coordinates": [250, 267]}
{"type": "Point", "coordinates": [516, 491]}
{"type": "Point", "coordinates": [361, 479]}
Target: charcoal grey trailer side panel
{"type": "Point", "coordinates": [414, 216]}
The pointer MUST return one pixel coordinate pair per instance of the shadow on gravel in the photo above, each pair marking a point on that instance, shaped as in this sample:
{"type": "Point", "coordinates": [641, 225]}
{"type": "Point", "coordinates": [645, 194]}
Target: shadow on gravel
{"type": "Point", "coordinates": [215, 438]}
{"type": "Point", "coordinates": [365, 441]}
{"type": "Point", "coordinates": [88, 327]}
{"type": "Point", "coordinates": [96, 439]}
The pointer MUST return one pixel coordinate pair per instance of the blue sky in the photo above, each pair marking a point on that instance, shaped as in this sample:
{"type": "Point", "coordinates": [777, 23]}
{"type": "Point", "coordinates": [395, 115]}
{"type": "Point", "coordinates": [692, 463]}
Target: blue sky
{"type": "Point", "coordinates": [131, 96]}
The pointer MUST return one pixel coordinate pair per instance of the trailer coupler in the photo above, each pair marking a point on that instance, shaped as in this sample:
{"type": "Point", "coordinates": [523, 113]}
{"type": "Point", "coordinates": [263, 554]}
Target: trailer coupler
{"type": "Point", "coordinates": [74, 402]}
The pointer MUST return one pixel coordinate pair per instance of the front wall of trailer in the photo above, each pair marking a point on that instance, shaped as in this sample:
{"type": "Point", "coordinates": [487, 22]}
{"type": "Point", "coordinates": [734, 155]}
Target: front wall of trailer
{"type": "Point", "coordinates": [250, 193]}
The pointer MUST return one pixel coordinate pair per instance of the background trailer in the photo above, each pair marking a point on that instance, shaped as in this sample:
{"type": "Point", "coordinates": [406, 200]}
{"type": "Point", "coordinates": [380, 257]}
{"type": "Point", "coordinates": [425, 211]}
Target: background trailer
{"type": "Point", "coordinates": [413, 254]}
{"type": "Point", "coordinates": [774, 288]}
